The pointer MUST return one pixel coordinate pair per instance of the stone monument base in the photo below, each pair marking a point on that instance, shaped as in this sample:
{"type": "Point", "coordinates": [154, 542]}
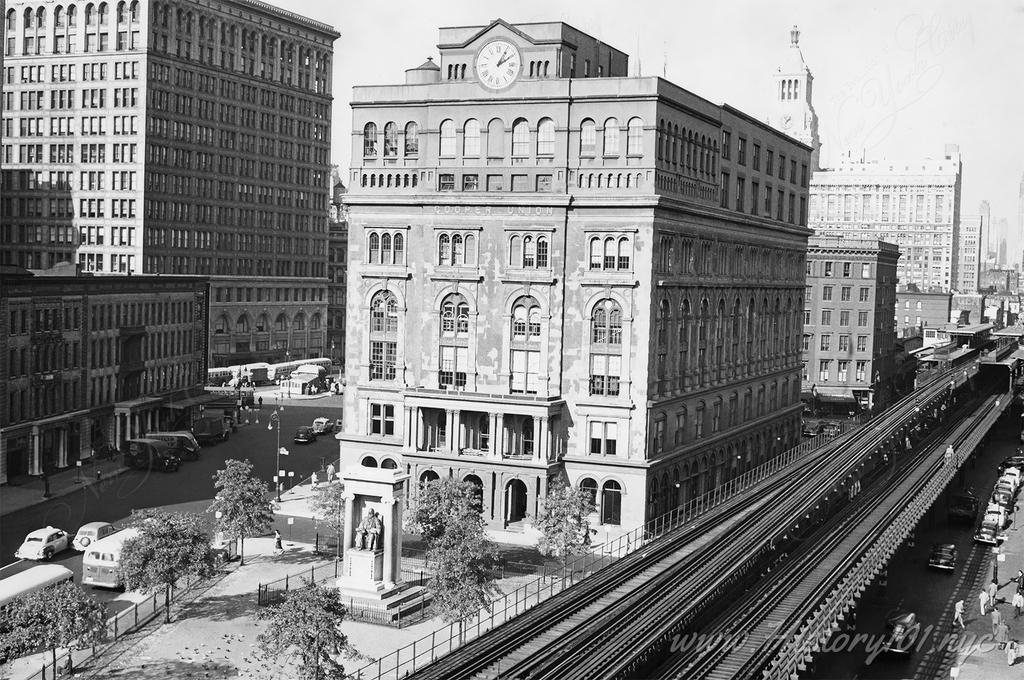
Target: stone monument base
{"type": "Point", "coordinates": [362, 576]}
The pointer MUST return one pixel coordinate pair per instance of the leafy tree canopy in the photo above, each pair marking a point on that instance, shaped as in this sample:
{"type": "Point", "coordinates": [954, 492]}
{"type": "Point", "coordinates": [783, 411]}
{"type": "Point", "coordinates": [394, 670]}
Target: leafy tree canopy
{"type": "Point", "coordinates": [243, 501]}
{"type": "Point", "coordinates": [564, 523]}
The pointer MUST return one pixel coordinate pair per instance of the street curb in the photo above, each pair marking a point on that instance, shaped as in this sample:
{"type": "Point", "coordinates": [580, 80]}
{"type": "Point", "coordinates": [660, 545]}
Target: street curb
{"type": "Point", "coordinates": [66, 491]}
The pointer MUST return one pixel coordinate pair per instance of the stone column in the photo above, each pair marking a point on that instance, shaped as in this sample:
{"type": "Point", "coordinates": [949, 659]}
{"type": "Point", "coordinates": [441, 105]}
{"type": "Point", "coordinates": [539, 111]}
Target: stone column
{"type": "Point", "coordinates": [538, 438]}
{"type": "Point", "coordinates": [390, 564]}
{"type": "Point", "coordinates": [407, 424]}
{"type": "Point", "coordinates": [543, 437]}
{"type": "Point", "coordinates": [349, 521]}
{"type": "Point", "coordinates": [62, 447]}
{"type": "Point", "coordinates": [449, 429]}
{"type": "Point", "coordinates": [35, 466]}
{"type": "Point", "coordinates": [117, 430]}
{"type": "Point", "coordinates": [494, 422]}
{"type": "Point", "coordinates": [499, 435]}
{"type": "Point", "coordinates": [456, 432]}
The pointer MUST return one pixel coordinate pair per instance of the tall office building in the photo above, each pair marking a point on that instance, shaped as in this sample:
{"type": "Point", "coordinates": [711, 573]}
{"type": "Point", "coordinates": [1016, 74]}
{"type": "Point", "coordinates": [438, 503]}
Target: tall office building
{"type": "Point", "coordinates": [560, 272]}
{"type": "Point", "coordinates": [985, 210]}
{"type": "Point", "coordinates": [337, 263]}
{"type": "Point", "coordinates": [972, 239]}
{"type": "Point", "coordinates": [144, 137]}
{"type": "Point", "coordinates": [792, 111]}
{"type": "Point", "coordinates": [914, 204]}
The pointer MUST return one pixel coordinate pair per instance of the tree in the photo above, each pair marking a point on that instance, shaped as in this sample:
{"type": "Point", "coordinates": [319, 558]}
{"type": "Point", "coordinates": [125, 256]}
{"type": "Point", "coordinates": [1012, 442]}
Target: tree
{"type": "Point", "coordinates": [243, 502]}
{"type": "Point", "coordinates": [169, 547]}
{"type": "Point", "coordinates": [307, 625]}
{"type": "Point", "coordinates": [564, 523]}
{"type": "Point", "coordinates": [448, 516]}
{"type": "Point", "coordinates": [327, 505]}
{"type": "Point", "coordinates": [63, 615]}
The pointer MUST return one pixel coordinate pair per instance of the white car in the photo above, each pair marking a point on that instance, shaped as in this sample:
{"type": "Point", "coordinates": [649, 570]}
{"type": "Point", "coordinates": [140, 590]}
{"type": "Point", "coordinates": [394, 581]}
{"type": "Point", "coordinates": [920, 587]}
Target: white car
{"type": "Point", "coordinates": [323, 425]}
{"type": "Point", "coordinates": [43, 544]}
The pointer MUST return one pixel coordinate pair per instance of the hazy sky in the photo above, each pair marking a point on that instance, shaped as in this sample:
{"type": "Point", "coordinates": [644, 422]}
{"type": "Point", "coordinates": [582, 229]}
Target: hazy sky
{"type": "Point", "coordinates": [896, 79]}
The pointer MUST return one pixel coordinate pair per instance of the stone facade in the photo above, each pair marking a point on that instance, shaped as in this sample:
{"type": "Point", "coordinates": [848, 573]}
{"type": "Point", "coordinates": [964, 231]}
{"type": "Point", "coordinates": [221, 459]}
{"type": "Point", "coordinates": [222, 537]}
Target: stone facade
{"type": "Point", "coordinates": [594, 280]}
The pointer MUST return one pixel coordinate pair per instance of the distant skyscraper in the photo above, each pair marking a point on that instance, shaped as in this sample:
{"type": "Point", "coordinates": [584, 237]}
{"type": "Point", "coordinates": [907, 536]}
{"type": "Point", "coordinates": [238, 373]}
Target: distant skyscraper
{"type": "Point", "coordinates": [1020, 212]}
{"type": "Point", "coordinates": [913, 203]}
{"type": "Point", "coordinates": [792, 111]}
{"type": "Point", "coordinates": [1002, 245]}
{"type": "Point", "coordinates": [971, 244]}
{"type": "Point", "coordinates": [985, 210]}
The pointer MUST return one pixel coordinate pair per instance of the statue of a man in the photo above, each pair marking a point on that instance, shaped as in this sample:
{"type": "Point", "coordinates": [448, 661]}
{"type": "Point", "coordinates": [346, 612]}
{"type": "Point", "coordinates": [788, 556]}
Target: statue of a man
{"type": "Point", "coordinates": [376, 530]}
{"type": "Point", "coordinates": [363, 529]}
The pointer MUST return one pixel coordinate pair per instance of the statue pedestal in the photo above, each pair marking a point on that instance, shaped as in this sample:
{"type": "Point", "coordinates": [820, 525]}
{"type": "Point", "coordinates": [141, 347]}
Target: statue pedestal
{"type": "Point", "coordinates": [364, 566]}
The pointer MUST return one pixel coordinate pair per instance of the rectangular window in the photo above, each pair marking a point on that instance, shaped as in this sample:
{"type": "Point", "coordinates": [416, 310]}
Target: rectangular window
{"type": "Point", "coordinates": [826, 342]}
{"type": "Point", "coordinates": [844, 293]}
{"type": "Point", "coordinates": [828, 269]}
{"type": "Point", "coordinates": [520, 183]}
{"type": "Point", "coordinates": [741, 151]}
{"type": "Point", "coordinates": [382, 419]}
{"type": "Point", "coordinates": [862, 343]}
{"type": "Point", "coordinates": [843, 366]}
{"type": "Point", "coordinates": [826, 317]}
{"type": "Point", "coordinates": [446, 182]}
{"type": "Point", "coordinates": [382, 360]}
{"type": "Point", "coordinates": [844, 343]}
{"type": "Point", "coordinates": [862, 319]}
{"type": "Point", "coordinates": [865, 294]}
{"type": "Point", "coordinates": [844, 318]}
{"type": "Point", "coordinates": [495, 182]}
{"type": "Point", "coordinates": [544, 183]}
{"type": "Point", "coordinates": [846, 269]}
{"type": "Point", "coordinates": [470, 182]}
{"type": "Point", "coordinates": [757, 157]}
{"type": "Point", "coordinates": [725, 189]}
{"type": "Point", "coordinates": [826, 292]}
{"type": "Point", "coordinates": [741, 191]}
{"type": "Point", "coordinates": [862, 369]}
{"type": "Point", "coordinates": [865, 271]}
{"type": "Point", "coordinates": [823, 370]}
{"type": "Point", "coordinates": [755, 197]}
{"type": "Point", "coordinates": [603, 437]}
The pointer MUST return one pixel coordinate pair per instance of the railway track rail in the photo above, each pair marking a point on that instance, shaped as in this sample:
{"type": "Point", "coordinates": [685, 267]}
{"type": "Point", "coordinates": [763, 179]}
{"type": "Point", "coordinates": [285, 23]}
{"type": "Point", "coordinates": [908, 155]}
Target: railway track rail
{"type": "Point", "coordinates": [608, 624]}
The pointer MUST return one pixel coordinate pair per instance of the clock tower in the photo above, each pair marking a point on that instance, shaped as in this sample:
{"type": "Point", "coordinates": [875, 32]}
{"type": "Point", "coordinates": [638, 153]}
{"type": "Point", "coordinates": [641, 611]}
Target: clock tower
{"type": "Point", "coordinates": [792, 111]}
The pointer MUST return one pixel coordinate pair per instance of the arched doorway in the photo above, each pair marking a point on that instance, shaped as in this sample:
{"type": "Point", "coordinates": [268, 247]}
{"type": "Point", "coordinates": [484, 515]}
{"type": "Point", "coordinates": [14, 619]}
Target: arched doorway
{"type": "Point", "coordinates": [515, 501]}
{"type": "Point", "coordinates": [389, 464]}
{"type": "Point", "coordinates": [611, 503]}
{"type": "Point", "coordinates": [369, 461]}
{"type": "Point", "coordinates": [479, 486]}
{"type": "Point", "coordinates": [428, 476]}
{"type": "Point", "coordinates": [589, 488]}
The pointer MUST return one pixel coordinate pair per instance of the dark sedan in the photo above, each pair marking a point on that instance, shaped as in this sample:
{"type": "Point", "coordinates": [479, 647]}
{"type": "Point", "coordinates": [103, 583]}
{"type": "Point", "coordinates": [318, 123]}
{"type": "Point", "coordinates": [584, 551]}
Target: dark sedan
{"type": "Point", "coordinates": [943, 557]}
{"type": "Point", "coordinates": [964, 507]}
{"type": "Point", "coordinates": [305, 435]}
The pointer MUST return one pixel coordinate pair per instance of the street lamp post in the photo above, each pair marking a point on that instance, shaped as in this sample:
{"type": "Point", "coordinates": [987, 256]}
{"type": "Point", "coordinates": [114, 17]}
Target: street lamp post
{"type": "Point", "coordinates": [275, 420]}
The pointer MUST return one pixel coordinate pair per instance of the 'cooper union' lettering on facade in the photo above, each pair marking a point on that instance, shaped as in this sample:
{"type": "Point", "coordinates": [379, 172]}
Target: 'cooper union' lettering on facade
{"type": "Point", "coordinates": [510, 210]}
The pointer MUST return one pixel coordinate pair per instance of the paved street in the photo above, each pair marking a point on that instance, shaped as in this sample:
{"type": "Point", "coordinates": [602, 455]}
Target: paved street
{"type": "Point", "coordinates": [929, 593]}
{"type": "Point", "coordinates": [191, 488]}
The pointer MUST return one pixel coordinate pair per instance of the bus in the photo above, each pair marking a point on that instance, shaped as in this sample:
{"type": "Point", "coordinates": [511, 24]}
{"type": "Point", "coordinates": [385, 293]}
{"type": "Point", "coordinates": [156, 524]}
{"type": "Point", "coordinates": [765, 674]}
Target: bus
{"type": "Point", "coordinates": [284, 370]}
{"type": "Point", "coordinates": [31, 580]}
{"type": "Point", "coordinates": [102, 559]}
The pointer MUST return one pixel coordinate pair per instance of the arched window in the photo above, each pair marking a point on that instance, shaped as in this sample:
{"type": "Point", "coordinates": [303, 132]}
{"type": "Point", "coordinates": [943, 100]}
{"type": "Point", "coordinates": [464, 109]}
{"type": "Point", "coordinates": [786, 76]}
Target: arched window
{"type": "Point", "coordinates": [515, 251]}
{"type": "Point", "coordinates": [412, 139]}
{"type": "Point", "coordinates": [546, 137]}
{"type": "Point", "coordinates": [588, 487]}
{"type": "Point", "coordinates": [606, 348]}
{"type": "Point", "coordinates": [444, 250]}
{"type": "Point", "coordinates": [12, 20]}
{"type": "Point", "coordinates": [611, 137]}
{"type": "Point", "coordinates": [281, 323]}
{"type": "Point", "coordinates": [447, 147]}
{"type": "Point", "coordinates": [370, 140]}
{"type": "Point", "coordinates": [496, 138]}
{"type": "Point", "coordinates": [102, 12]}
{"type": "Point", "coordinates": [243, 324]}
{"type": "Point", "coordinates": [383, 336]}
{"type": "Point", "coordinates": [471, 138]}
{"type": "Point", "coordinates": [299, 323]}
{"type": "Point", "coordinates": [529, 252]}
{"type": "Point", "coordinates": [90, 15]}
{"type": "Point", "coordinates": [262, 323]}
{"type": "Point", "coordinates": [314, 321]}
{"type": "Point", "coordinates": [542, 252]}
{"type": "Point", "coordinates": [221, 325]}
{"type": "Point", "coordinates": [635, 139]}
{"type": "Point", "coordinates": [588, 138]}
{"type": "Point", "coordinates": [134, 11]}
{"type": "Point", "coordinates": [470, 249]}
{"type": "Point", "coordinates": [390, 140]}
{"type": "Point", "coordinates": [122, 14]}
{"type": "Point", "coordinates": [454, 350]}
{"type": "Point", "coordinates": [624, 254]}
{"type": "Point", "coordinates": [41, 18]}
{"type": "Point", "coordinates": [398, 243]}
{"type": "Point", "coordinates": [611, 503]}
{"type": "Point", "coordinates": [596, 256]}
{"type": "Point", "coordinates": [385, 249]}
{"type": "Point", "coordinates": [526, 334]}
{"type": "Point", "coordinates": [521, 138]}
{"type": "Point", "coordinates": [374, 248]}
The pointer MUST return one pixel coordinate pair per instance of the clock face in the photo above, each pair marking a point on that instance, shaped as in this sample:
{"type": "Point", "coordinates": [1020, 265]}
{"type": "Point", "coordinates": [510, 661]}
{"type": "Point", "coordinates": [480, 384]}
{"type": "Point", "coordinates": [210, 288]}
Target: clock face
{"type": "Point", "coordinates": [498, 64]}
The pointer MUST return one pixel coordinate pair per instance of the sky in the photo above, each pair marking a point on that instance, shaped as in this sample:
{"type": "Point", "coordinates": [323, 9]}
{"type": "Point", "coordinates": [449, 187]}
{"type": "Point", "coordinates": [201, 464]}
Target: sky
{"type": "Point", "coordinates": [896, 79]}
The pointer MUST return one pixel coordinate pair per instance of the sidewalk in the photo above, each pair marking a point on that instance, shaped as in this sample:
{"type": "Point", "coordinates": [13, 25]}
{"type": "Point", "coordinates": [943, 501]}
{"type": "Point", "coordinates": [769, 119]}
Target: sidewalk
{"type": "Point", "coordinates": [30, 492]}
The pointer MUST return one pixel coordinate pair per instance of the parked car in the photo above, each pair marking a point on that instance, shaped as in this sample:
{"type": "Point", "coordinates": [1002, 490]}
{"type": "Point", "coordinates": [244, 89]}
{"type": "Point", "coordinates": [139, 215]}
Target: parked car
{"type": "Point", "coordinates": [964, 506]}
{"type": "Point", "coordinates": [1012, 461]}
{"type": "Point", "coordinates": [305, 435]}
{"type": "Point", "coordinates": [43, 544]}
{"type": "Point", "coordinates": [211, 429]}
{"type": "Point", "coordinates": [1002, 498]}
{"type": "Point", "coordinates": [1012, 475]}
{"type": "Point", "coordinates": [323, 425]}
{"type": "Point", "coordinates": [943, 556]}
{"type": "Point", "coordinates": [90, 533]}
{"type": "Point", "coordinates": [901, 631]}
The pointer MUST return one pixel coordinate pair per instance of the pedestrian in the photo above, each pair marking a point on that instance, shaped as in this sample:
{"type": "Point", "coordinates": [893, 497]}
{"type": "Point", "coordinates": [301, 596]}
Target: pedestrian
{"type": "Point", "coordinates": [997, 618]}
{"type": "Point", "coordinates": [330, 473]}
{"type": "Point", "coordinates": [313, 481]}
{"type": "Point", "coordinates": [993, 588]}
{"type": "Point", "coordinates": [983, 601]}
{"type": "Point", "coordinates": [1011, 653]}
{"type": "Point", "coordinates": [958, 613]}
{"type": "Point", "coordinates": [260, 402]}
{"type": "Point", "coordinates": [1018, 604]}
{"type": "Point", "coordinates": [1002, 634]}
{"type": "Point", "coordinates": [278, 548]}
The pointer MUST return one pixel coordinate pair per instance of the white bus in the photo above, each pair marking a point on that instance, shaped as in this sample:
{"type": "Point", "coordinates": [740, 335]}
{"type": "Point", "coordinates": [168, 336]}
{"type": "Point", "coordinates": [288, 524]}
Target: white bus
{"type": "Point", "coordinates": [102, 560]}
{"type": "Point", "coordinates": [31, 580]}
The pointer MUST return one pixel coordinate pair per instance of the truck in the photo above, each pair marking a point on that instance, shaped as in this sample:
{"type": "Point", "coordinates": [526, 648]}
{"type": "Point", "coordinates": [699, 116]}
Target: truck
{"type": "Point", "coordinates": [150, 454]}
{"type": "Point", "coordinates": [211, 429]}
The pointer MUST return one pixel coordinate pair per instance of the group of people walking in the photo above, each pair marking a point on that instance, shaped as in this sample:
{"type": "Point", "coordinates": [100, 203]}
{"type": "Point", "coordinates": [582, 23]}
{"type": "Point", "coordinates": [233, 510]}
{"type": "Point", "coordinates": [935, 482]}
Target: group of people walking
{"type": "Point", "coordinates": [988, 601]}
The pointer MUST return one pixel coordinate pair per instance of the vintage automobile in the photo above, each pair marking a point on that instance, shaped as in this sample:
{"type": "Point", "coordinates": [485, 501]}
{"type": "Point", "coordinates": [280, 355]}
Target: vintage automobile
{"type": "Point", "coordinates": [901, 631]}
{"type": "Point", "coordinates": [964, 506]}
{"type": "Point", "coordinates": [943, 557]}
{"type": "Point", "coordinates": [323, 425]}
{"type": "Point", "coordinates": [43, 544]}
{"type": "Point", "coordinates": [305, 435]}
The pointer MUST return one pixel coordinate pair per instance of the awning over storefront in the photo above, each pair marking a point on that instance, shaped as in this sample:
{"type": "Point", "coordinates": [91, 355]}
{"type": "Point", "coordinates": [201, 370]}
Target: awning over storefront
{"type": "Point", "coordinates": [132, 405]}
{"type": "Point", "coordinates": [198, 400]}
{"type": "Point", "coordinates": [823, 398]}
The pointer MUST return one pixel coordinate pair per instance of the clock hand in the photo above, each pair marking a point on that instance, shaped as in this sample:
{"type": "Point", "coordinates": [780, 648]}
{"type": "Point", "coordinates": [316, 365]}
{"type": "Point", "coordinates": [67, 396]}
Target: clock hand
{"type": "Point", "coordinates": [504, 58]}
